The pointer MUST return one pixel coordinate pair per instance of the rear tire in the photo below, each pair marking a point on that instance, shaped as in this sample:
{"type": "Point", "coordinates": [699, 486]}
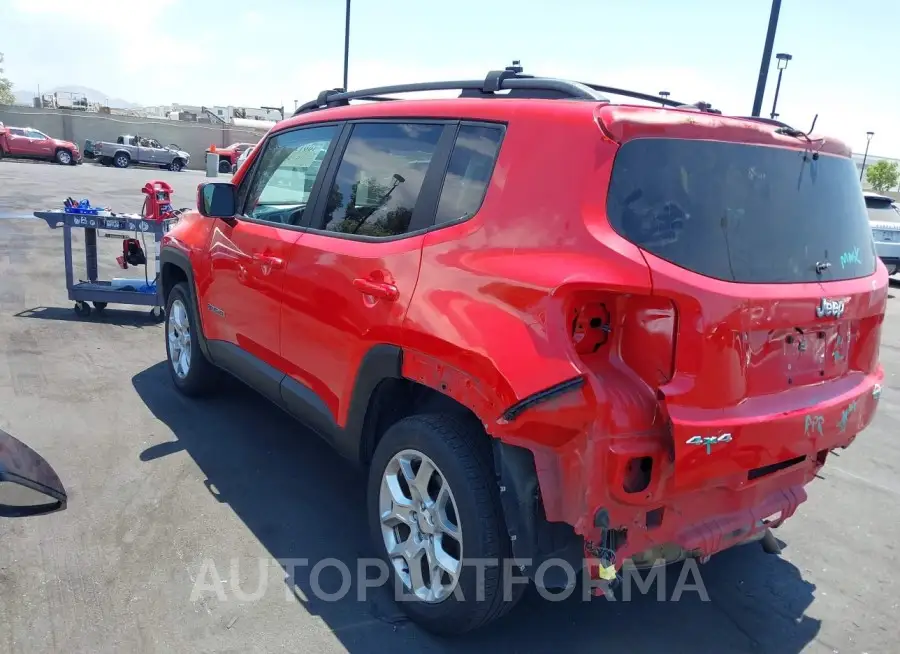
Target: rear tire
{"type": "Point", "coordinates": [460, 453]}
{"type": "Point", "coordinates": [121, 160]}
{"type": "Point", "coordinates": [224, 166]}
{"type": "Point", "coordinates": [192, 374]}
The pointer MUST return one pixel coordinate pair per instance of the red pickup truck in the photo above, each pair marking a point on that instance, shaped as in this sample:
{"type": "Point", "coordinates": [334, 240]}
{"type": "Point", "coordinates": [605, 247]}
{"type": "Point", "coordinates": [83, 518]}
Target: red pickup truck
{"type": "Point", "coordinates": [29, 143]}
{"type": "Point", "coordinates": [228, 156]}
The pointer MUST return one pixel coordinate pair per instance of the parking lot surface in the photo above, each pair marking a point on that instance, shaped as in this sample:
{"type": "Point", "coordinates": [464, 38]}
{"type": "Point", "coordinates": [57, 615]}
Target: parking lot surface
{"type": "Point", "coordinates": [163, 489]}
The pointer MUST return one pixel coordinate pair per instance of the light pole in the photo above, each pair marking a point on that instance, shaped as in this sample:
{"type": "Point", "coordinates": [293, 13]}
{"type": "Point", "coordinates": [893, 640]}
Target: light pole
{"type": "Point", "coordinates": [783, 60]}
{"type": "Point", "coordinates": [766, 58]}
{"type": "Point", "coordinates": [346, 43]}
{"type": "Point", "coordinates": [869, 136]}
{"type": "Point", "coordinates": [665, 96]}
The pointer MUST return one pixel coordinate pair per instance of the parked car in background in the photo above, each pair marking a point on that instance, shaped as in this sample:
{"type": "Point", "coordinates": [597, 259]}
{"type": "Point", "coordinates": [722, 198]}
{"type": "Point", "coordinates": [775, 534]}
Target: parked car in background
{"type": "Point", "coordinates": [228, 157]}
{"type": "Point", "coordinates": [29, 143]}
{"type": "Point", "coordinates": [129, 150]}
{"type": "Point", "coordinates": [884, 218]}
{"type": "Point", "coordinates": [243, 158]}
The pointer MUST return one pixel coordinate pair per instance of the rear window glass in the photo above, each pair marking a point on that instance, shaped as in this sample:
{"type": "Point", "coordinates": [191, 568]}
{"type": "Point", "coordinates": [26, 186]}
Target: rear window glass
{"type": "Point", "coordinates": [742, 213]}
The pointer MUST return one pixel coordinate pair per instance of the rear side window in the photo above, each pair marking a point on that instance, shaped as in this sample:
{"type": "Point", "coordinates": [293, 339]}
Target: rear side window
{"type": "Point", "coordinates": [742, 213]}
{"type": "Point", "coordinates": [380, 177]}
{"type": "Point", "coordinates": [469, 172]}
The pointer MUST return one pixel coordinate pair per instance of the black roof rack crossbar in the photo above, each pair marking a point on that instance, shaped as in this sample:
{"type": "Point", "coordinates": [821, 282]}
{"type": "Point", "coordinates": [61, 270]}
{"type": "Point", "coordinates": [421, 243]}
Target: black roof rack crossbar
{"type": "Point", "coordinates": [510, 79]}
{"type": "Point", "coordinates": [495, 81]}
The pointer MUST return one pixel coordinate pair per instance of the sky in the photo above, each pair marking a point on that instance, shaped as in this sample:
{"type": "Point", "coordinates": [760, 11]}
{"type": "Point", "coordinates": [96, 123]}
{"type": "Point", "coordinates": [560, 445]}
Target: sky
{"type": "Point", "coordinates": [273, 52]}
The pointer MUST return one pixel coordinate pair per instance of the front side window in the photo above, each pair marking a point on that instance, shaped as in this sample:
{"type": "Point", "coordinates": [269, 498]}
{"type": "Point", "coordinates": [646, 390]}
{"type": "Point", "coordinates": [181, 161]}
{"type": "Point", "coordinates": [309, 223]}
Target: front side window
{"type": "Point", "coordinates": [380, 177]}
{"type": "Point", "coordinates": [34, 134]}
{"type": "Point", "coordinates": [285, 174]}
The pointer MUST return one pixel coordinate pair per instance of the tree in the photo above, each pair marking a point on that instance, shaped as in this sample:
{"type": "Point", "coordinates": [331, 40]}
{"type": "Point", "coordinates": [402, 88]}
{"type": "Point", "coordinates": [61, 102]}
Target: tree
{"type": "Point", "coordinates": [6, 94]}
{"type": "Point", "coordinates": [883, 175]}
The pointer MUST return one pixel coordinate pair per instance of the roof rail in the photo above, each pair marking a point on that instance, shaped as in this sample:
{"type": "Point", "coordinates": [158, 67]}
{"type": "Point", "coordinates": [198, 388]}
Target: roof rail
{"type": "Point", "coordinates": [511, 79]}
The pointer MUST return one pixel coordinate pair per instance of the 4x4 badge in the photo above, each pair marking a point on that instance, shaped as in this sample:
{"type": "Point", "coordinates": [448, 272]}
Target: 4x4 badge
{"type": "Point", "coordinates": [830, 308]}
{"type": "Point", "coordinates": [708, 441]}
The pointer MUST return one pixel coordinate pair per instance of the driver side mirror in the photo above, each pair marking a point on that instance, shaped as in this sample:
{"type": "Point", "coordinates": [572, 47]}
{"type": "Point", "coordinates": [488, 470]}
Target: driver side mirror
{"type": "Point", "coordinates": [217, 200]}
{"type": "Point", "coordinates": [28, 485]}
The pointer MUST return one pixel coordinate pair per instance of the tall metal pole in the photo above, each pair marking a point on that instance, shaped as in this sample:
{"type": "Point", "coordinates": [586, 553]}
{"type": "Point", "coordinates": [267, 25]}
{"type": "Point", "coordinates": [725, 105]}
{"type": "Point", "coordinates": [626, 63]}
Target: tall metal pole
{"type": "Point", "coordinates": [869, 136]}
{"type": "Point", "coordinates": [766, 58]}
{"type": "Point", "coordinates": [347, 43]}
{"type": "Point", "coordinates": [777, 89]}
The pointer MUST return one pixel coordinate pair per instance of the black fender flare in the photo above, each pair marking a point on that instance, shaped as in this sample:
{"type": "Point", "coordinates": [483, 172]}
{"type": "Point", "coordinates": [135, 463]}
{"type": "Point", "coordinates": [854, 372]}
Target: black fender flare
{"type": "Point", "coordinates": [169, 257]}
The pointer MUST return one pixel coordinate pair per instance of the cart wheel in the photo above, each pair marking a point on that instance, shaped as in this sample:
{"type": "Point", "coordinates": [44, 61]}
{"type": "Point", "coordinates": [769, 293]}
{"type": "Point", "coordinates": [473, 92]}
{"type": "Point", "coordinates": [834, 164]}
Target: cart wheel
{"type": "Point", "coordinates": [156, 313]}
{"type": "Point", "coordinates": [82, 309]}
{"type": "Point", "coordinates": [99, 306]}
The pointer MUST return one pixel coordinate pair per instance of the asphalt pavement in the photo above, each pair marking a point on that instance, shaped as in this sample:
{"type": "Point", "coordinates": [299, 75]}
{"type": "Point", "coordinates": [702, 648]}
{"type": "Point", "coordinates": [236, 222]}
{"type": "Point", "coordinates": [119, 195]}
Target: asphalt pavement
{"type": "Point", "coordinates": [168, 496]}
{"type": "Point", "coordinates": [27, 186]}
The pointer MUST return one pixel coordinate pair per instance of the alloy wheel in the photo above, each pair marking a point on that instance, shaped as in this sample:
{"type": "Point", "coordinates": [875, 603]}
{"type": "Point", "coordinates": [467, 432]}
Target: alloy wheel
{"type": "Point", "coordinates": [179, 336]}
{"type": "Point", "coordinates": [420, 526]}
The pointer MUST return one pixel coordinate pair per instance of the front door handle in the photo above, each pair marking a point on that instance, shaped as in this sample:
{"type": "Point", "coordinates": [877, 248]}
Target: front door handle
{"type": "Point", "coordinates": [377, 289]}
{"type": "Point", "coordinates": [268, 263]}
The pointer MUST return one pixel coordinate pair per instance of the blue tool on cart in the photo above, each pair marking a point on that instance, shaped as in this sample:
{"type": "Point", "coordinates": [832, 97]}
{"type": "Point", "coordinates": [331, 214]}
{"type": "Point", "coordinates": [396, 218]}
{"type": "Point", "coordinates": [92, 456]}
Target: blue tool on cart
{"type": "Point", "coordinates": [93, 290]}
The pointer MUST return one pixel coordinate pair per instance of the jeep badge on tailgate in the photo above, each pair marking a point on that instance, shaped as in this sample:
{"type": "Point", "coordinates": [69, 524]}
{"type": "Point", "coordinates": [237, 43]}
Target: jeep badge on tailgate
{"type": "Point", "coordinates": [830, 308]}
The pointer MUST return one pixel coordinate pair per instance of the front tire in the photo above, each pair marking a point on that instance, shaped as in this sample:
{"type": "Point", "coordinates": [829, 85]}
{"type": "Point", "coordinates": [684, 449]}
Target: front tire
{"type": "Point", "coordinates": [224, 166]}
{"type": "Point", "coordinates": [433, 501]}
{"type": "Point", "coordinates": [176, 166]}
{"type": "Point", "coordinates": [191, 372]}
{"type": "Point", "coordinates": [64, 157]}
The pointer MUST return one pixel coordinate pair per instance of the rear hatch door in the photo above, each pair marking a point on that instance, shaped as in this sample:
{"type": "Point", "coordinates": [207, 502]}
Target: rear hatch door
{"type": "Point", "coordinates": [768, 256]}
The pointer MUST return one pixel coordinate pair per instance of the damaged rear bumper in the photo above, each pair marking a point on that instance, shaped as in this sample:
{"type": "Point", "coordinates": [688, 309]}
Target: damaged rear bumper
{"type": "Point", "coordinates": [625, 495]}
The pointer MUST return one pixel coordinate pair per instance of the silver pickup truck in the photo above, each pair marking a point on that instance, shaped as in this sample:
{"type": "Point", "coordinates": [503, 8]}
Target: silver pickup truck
{"type": "Point", "coordinates": [137, 150]}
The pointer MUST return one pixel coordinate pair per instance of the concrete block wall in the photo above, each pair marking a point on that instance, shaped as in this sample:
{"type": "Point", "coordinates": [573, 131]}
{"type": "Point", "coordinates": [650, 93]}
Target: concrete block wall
{"type": "Point", "coordinates": [79, 126]}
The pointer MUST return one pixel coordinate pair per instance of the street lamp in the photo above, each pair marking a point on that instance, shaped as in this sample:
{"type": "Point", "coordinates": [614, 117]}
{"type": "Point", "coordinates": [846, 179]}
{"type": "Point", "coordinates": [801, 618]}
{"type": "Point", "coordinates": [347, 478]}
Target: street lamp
{"type": "Point", "coordinates": [665, 96]}
{"type": "Point", "coordinates": [783, 60]}
{"type": "Point", "coordinates": [346, 42]}
{"type": "Point", "coordinates": [766, 57]}
{"type": "Point", "coordinates": [869, 136]}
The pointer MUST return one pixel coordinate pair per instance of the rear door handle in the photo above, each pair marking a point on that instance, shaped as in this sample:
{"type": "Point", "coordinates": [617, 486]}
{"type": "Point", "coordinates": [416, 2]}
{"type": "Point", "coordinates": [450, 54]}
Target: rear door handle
{"type": "Point", "coordinates": [377, 289]}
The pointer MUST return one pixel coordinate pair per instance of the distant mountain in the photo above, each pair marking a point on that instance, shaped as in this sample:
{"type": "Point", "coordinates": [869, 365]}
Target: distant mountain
{"type": "Point", "coordinates": [93, 95]}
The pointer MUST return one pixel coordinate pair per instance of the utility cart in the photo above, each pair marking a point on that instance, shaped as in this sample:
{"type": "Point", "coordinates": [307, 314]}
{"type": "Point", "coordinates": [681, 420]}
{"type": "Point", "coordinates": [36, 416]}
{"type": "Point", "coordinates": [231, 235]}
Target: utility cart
{"type": "Point", "coordinates": [93, 290]}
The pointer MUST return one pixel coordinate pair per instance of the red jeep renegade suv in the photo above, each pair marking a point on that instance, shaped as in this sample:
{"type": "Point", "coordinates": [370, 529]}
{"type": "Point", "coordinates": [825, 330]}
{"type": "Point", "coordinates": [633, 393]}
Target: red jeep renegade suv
{"type": "Point", "coordinates": [551, 326]}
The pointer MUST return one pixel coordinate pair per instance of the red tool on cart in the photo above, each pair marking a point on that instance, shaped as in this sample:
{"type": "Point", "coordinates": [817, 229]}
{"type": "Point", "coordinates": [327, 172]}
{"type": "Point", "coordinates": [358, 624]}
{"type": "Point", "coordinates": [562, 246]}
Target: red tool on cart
{"type": "Point", "coordinates": [158, 205]}
{"type": "Point", "coordinates": [157, 208]}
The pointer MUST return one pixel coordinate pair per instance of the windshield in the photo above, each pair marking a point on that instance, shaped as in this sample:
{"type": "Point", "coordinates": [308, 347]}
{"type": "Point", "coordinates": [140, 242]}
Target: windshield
{"type": "Point", "coordinates": [742, 213]}
{"type": "Point", "coordinates": [882, 209]}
